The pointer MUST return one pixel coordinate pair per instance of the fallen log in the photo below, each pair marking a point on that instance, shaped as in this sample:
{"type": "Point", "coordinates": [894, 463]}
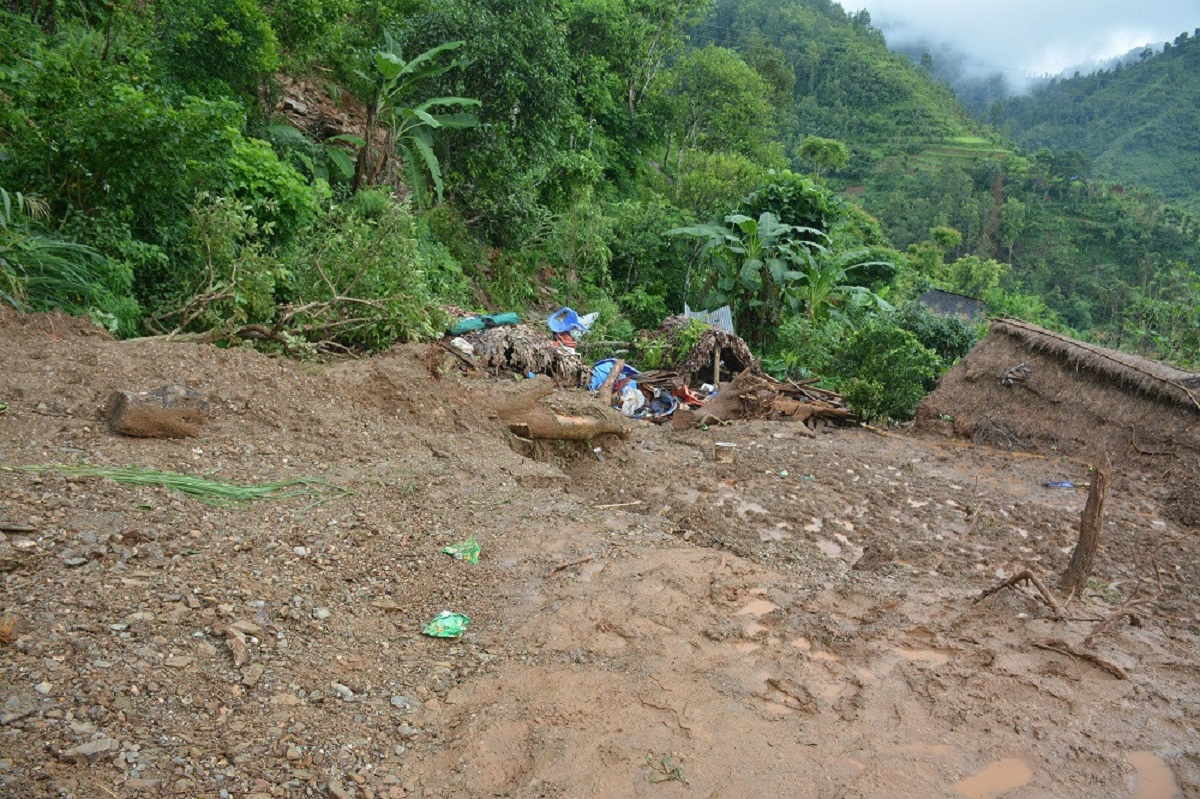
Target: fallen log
{"type": "Point", "coordinates": [527, 416]}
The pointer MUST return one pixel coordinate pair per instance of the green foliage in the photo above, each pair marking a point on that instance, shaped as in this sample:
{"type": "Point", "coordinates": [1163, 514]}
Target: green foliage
{"type": "Point", "coordinates": [601, 124]}
{"type": "Point", "coordinates": [806, 349]}
{"type": "Point", "coordinates": [950, 337]}
{"type": "Point", "coordinates": [327, 160]}
{"type": "Point", "coordinates": [361, 282]}
{"type": "Point", "coordinates": [577, 248]}
{"type": "Point", "coordinates": [883, 371]}
{"type": "Point", "coordinates": [1163, 319]}
{"type": "Point", "coordinates": [656, 351]}
{"type": "Point", "coordinates": [308, 29]}
{"type": "Point", "coordinates": [798, 201]}
{"type": "Point", "coordinates": [713, 101]}
{"type": "Point", "coordinates": [216, 44]}
{"type": "Point", "coordinates": [521, 74]}
{"type": "Point", "coordinates": [708, 184]}
{"type": "Point", "coordinates": [755, 267]}
{"type": "Point", "coordinates": [972, 275]}
{"type": "Point", "coordinates": [649, 269]}
{"type": "Point", "coordinates": [236, 282]}
{"type": "Point", "coordinates": [825, 154]}
{"type": "Point", "coordinates": [1132, 123]}
{"type": "Point", "coordinates": [281, 202]}
{"type": "Point", "coordinates": [41, 272]}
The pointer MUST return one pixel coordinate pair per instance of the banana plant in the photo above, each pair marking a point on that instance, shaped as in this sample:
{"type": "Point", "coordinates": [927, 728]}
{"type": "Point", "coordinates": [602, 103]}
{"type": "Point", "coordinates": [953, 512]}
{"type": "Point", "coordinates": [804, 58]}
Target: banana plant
{"type": "Point", "coordinates": [758, 263]}
{"type": "Point", "coordinates": [826, 288]}
{"type": "Point", "coordinates": [412, 127]}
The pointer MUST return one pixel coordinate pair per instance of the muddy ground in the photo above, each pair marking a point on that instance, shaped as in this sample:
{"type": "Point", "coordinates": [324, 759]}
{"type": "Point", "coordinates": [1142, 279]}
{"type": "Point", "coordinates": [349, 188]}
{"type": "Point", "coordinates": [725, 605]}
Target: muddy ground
{"type": "Point", "coordinates": [783, 617]}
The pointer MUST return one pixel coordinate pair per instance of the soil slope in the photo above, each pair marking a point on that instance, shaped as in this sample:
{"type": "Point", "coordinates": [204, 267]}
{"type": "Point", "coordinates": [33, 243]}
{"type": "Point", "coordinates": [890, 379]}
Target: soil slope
{"type": "Point", "coordinates": [779, 616]}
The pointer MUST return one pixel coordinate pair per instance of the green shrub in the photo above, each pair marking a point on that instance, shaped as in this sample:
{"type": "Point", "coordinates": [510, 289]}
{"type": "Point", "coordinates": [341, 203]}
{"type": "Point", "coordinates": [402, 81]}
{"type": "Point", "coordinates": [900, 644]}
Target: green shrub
{"type": "Point", "coordinates": [883, 371]}
{"type": "Point", "coordinates": [950, 337]}
{"type": "Point", "coordinates": [805, 348]}
{"type": "Point", "coordinates": [234, 283]}
{"type": "Point", "coordinates": [307, 29]}
{"type": "Point", "coordinates": [217, 45]}
{"type": "Point", "coordinates": [281, 201]}
{"type": "Point", "coordinates": [42, 271]}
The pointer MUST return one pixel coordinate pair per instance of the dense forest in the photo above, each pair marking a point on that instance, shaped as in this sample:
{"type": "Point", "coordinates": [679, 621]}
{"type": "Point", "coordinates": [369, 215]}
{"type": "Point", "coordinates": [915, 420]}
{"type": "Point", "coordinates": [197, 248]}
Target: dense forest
{"type": "Point", "coordinates": [1135, 122]}
{"type": "Point", "coordinates": [330, 175]}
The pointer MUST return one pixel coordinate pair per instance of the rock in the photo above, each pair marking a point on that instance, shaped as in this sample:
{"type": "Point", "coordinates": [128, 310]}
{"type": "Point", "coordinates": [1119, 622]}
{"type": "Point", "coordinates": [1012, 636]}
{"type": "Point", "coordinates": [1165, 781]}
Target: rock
{"type": "Point", "coordinates": [321, 614]}
{"type": "Point", "coordinates": [180, 661]}
{"type": "Point", "coordinates": [90, 751]}
{"type": "Point", "coordinates": [143, 784]}
{"type": "Point", "coordinates": [252, 674]}
{"type": "Point", "coordinates": [237, 647]}
{"type": "Point", "coordinates": [342, 691]}
{"type": "Point", "coordinates": [169, 412]}
{"type": "Point", "coordinates": [404, 703]}
{"type": "Point", "coordinates": [338, 792]}
{"type": "Point", "coordinates": [16, 708]}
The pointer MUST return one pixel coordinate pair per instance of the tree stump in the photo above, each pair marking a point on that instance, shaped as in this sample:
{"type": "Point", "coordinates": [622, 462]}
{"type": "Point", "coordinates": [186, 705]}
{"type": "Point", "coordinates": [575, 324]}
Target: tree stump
{"type": "Point", "coordinates": [169, 412]}
{"type": "Point", "coordinates": [1075, 577]}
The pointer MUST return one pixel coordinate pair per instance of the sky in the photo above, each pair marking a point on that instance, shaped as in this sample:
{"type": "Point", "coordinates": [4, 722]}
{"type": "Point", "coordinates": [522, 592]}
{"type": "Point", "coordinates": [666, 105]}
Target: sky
{"type": "Point", "coordinates": [1026, 39]}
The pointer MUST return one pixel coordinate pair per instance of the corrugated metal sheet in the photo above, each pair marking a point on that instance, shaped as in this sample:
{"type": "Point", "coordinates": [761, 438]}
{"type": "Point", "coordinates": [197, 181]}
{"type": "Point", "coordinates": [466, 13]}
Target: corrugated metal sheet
{"type": "Point", "coordinates": [721, 318]}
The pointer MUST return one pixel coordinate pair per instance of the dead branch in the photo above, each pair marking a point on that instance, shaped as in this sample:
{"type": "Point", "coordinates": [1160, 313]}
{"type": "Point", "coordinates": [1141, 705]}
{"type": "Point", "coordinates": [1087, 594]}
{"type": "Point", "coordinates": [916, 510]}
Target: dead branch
{"type": "Point", "coordinates": [1128, 607]}
{"type": "Point", "coordinates": [1064, 648]}
{"type": "Point", "coordinates": [555, 570]}
{"type": "Point", "coordinates": [1025, 575]}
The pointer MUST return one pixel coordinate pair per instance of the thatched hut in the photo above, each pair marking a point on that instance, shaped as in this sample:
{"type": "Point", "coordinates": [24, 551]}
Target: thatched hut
{"type": "Point", "coordinates": [714, 352]}
{"type": "Point", "coordinates": [1025, 387]}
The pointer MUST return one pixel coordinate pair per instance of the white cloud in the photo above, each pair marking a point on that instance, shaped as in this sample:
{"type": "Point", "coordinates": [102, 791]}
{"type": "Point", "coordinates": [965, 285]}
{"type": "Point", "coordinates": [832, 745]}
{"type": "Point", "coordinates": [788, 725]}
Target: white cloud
{"type": "Point", "coordinates": [1032, 37]}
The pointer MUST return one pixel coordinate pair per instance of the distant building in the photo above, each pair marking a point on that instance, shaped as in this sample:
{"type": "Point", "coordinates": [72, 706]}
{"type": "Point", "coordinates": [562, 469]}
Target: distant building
{"type": "Point", "coordinates": [945, 303]}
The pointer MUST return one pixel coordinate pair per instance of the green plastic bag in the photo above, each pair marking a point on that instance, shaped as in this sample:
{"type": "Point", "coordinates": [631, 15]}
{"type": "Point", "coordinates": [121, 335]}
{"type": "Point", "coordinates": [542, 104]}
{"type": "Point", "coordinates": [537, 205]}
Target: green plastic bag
{"type": "Point", "coordinates": [447, 624]}
{"type": "Point", "coordinates": [464, 550]}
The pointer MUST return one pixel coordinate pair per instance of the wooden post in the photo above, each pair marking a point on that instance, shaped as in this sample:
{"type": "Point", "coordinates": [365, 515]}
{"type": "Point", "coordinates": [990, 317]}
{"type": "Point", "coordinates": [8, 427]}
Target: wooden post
{"type": "Point", "coordinates": [1075, 577]}
{"type": "Point", "coordinates": [606, 388]}
{"type": "Point", "coordinates": [717, 366]}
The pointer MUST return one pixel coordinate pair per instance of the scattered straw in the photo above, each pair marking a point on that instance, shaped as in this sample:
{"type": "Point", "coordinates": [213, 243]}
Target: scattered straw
{"type": "Point", "coordinates": [212, 492]}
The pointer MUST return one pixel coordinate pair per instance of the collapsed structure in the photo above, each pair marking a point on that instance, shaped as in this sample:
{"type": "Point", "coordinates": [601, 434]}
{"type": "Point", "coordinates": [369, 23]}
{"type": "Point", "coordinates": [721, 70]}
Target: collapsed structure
{"type": "Point", "coordinates": [1024, 387]}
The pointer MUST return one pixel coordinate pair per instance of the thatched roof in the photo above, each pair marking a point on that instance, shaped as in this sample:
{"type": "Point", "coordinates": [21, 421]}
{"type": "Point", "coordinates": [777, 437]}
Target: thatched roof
{"type": "Point", "coordinates": [697, 363]}
{"type": "Point", "coordinates": [1148, 377]}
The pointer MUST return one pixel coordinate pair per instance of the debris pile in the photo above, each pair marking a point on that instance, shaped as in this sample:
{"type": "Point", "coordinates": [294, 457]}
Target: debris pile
{"type": "Point", "coordinates": [708, 376]}
{"type": "Point", "coordinates": [751, 396]}
{"type": "Point", "coordinates": [714, 352]}
{"type": "Point", "coordinates": [501, 342]}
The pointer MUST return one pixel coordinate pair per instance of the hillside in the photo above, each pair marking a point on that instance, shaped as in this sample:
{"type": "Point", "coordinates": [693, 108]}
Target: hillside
{"type": "Point", "coordinates": [1135, 122]}
{"type": "Point", "coordinates": [784, 615]}
{"type": "Point", "coordinates": [318, 177]}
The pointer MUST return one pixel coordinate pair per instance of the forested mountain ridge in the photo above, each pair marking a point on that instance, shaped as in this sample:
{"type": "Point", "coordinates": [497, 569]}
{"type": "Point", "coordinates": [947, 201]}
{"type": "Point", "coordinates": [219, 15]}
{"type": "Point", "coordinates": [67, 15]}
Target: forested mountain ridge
{"type": "Point", "coordinates": [1136, 122]}
{"type": "Point", "coordinates": [621, 156]}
